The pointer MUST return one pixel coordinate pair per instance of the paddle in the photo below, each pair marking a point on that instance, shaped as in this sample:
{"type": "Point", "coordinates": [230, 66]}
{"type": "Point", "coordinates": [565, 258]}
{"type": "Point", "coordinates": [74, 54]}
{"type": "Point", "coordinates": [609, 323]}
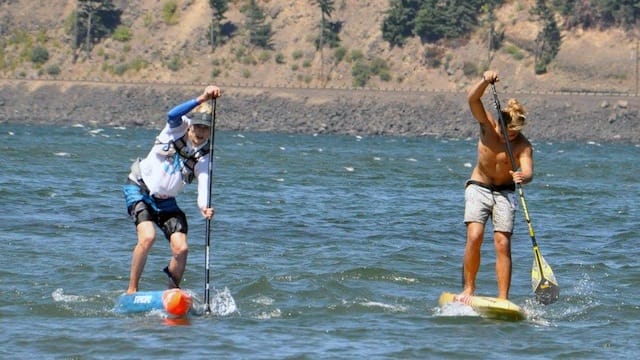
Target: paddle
{"type": "Point", "coordinates": [212, 134]}
{"type": "Point", "coordinates": [543, 281]}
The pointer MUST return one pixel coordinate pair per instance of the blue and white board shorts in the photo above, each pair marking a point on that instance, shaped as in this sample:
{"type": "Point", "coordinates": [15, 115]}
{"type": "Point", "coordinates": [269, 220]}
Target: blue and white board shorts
{"type": "Point", "coordinates": [481, 202]}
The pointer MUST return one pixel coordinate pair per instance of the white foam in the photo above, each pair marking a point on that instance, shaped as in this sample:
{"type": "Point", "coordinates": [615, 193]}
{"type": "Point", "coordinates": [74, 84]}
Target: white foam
{"type": "Point", "coordinates": [456, 309]}
{"type": "Point", "coordinates": [223, 304]}
{"type": "Point", "coordinates": [59, 296]}
{"type": "Point", "coordinates": [276, 313]}
{"type": "Point", "coordinates": [388, 307]}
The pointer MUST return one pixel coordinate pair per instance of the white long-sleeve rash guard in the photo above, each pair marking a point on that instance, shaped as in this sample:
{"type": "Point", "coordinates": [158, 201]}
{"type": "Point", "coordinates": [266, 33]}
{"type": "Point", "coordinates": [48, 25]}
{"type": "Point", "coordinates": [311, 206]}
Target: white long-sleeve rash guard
{"type": "Point", "coordinates": [161, 172]}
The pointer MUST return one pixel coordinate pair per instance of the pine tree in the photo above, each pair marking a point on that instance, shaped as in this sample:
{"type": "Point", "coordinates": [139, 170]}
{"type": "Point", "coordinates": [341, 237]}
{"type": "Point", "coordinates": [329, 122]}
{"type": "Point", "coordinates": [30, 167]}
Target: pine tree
{"type": "Point", "coordinates": [548, 39]}
{"type": "Point", "coordinates": [259, 32]}
{"type": "Point", "coordinates": [219, 7]}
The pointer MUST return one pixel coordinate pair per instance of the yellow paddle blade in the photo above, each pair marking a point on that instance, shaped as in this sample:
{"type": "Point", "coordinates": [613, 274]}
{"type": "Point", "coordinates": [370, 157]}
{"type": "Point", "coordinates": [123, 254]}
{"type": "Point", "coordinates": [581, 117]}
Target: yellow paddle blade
{"type": "Point", "coordinates": [544, 283]}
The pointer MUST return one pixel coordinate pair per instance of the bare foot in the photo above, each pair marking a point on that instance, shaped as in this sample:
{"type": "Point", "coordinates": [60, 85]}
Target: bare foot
{"type": "Point", "coordinates": [464, 297]}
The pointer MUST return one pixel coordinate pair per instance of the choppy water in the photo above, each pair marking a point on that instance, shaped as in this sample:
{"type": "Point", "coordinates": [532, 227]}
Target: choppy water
{"type": "Point", "coordinates": [330, 246]}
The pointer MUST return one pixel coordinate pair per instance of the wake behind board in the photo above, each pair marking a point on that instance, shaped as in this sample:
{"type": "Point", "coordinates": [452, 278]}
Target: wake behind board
{"type": "Point", "coordinates": [174, 302]}
{"type": "Point", "coordinates": [489, 307]}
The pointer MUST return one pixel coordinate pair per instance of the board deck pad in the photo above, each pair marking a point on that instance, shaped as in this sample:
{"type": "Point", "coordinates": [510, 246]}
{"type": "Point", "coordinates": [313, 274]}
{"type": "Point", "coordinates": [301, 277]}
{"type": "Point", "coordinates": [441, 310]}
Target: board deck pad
{"type": "Point", "coordinates": [489, 307]}
{"type": "Point", "coordinates": [174, 302]}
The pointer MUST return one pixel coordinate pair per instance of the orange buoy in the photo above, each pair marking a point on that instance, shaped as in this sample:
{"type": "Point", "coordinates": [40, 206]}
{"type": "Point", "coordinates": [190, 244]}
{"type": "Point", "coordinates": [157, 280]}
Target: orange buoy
{"type": "Point", "coordinates": [176, 302]}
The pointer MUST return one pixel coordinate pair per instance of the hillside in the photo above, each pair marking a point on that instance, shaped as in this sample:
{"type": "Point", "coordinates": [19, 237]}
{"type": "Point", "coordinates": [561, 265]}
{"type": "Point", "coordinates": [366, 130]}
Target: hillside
{"type": "Point", "coordinates": [155, 47]}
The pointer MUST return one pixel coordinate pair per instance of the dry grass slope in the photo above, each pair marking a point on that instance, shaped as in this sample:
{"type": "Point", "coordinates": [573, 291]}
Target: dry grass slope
{"type": "Point", "coordinates": [156, 48]}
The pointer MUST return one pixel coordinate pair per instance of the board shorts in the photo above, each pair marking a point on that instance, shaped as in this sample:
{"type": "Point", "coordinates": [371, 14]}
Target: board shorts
{"type": "Point", "coordinates": [483, 201]}
{"type": "Point", "coordinates": [163, 212]}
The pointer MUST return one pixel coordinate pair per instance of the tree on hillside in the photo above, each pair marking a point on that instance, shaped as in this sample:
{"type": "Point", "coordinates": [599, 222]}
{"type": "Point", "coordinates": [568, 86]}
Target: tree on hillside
{"type": "Point", "coordinates": [600, 14]}
{"type": "Point", "coordinates": [95, 19]}
{"type": "Point", "coordinates": [326, 8]}
{"type": "Point", "coordinates": [219, 7]}
{"type": "Point", "coordinates": [495, 38]}
{"type": "Point", "coordinates": [548, 39]}
{"type": "Point", "coordinates": [445, 19]}
{"type": "Point", "coordinates": [259, 32]}
{"type": "Point", "coordinates": [398, 23]}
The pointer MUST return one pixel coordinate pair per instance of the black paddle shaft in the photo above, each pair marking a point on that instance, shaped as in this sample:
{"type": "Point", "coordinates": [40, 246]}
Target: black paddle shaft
{"type": "Point", "coordinates": [212, 134]}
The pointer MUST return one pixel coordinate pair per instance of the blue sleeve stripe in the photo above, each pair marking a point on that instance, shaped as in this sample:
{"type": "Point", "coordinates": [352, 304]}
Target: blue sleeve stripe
{"type": "Point", "coordinates": [174, 116]}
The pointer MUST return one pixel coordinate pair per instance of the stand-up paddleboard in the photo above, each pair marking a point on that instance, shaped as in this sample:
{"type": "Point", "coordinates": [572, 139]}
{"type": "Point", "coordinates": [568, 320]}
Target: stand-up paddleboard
{"type": "Point", "coordinates": [175, 302]}
{"type": "Point", "coordinates": [489, 307]}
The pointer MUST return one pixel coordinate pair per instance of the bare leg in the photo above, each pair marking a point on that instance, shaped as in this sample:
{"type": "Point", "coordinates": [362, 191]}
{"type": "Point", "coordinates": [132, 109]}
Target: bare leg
{"type": "Point", "coordinates": [475, 236]}
{"type": "Point", "coordinates": [502, 242]}
{"type": "Point", "coordinates": [179, 252]}
{"type": "Point", "coordinates": [146, 238]}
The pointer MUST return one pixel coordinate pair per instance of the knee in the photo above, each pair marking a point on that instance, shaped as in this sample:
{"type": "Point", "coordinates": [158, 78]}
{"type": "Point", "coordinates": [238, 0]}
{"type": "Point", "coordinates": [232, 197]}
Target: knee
{"type": "Point", "coordinates": [146, 240]}
{"type": "Point", "coordinates": [502, 242]}
{"type": "Point", "coordinates": [179, 246]}
{"type": "Point", "coordinates": [475, 233]}
{"type": "Point", "coordinates": [180, 250]}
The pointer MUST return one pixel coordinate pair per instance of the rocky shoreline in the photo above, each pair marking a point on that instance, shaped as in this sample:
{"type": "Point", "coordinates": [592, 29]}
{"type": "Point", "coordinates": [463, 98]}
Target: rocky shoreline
{"type": "Point", "coordinates": [553, 116]}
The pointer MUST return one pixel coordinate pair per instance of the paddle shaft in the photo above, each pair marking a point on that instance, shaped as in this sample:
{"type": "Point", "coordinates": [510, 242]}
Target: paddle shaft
{"type": "Point", "coordinates": [212, 134]}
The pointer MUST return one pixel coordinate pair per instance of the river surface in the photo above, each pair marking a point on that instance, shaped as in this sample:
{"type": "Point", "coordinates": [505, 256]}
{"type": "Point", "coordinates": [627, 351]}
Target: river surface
{"type": "Point", "coordinates": [322, 247]}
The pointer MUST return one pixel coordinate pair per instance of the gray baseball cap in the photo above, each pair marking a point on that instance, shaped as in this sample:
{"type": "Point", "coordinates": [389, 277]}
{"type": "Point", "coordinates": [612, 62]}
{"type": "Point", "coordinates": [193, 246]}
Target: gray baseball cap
{"type": "Point", "coordinates": [203, 118]}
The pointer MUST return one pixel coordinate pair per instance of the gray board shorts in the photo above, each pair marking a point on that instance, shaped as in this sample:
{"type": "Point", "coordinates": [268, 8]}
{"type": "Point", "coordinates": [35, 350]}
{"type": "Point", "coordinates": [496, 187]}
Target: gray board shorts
{"type": "Point", "coordinates": [483, 201]}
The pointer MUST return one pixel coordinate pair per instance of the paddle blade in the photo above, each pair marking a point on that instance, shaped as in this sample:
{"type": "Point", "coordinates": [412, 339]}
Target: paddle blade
{"type": "Point", "coordinates": [543, 281]}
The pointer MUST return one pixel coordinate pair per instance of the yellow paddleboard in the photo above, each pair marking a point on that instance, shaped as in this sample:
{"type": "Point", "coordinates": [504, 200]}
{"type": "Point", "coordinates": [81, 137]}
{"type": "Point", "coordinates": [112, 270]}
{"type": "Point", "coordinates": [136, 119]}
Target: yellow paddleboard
{"type": "Point", "coordinates": [489, 307]}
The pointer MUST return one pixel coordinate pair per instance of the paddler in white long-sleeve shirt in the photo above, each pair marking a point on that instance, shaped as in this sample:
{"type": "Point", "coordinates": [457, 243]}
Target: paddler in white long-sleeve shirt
{"type": "Point", "coordinates": [179, 155]}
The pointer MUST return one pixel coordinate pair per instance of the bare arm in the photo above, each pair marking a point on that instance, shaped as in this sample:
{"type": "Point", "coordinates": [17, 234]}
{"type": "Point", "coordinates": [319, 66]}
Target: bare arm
{"type": "Point", "coordinates": [524, 175]}
{"type": "Point", "coordinates": [475, 95]}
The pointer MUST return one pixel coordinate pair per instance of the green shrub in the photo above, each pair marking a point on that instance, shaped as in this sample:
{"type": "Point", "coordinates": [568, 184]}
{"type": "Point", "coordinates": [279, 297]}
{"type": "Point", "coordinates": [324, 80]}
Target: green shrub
{"type": "Point", "coordinates": [170, 12]}
{"type": "Point", "coordinates": [53, 70]}
{"type": "Point", "coordinates": [361, 73]}
{"type": "Point", "coordinates": [339, 54]}
{"type": "Point", "coordinates": [39, 55]}
{"type": "Point", "coordinates": [297, 54]}
{"type": "Point", "coordinates": [264, 56]}
{"type": "Point", "coordinates": [174, 63]}
{"type": "Point", "coordinates": [122, 33]}
{"type": "Point", "coordinates": [138, 64]}
{"type": "Point", "coordinates": [378, 66]}
{"type": "Point", "coordinates": [248, 60]}
{"type": "Point", "coordinates": [540, 69]}
{"type": "Point", "coordinates": [280, 58]}
{"type": "Point", "coordinates": [385, 76]}
{"type": "Point", "coordinates": [514, 51]}
{"type": "Point", "coordinates": [356, 55]}
{"type": "Point", "coordinates": [120, 69]}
